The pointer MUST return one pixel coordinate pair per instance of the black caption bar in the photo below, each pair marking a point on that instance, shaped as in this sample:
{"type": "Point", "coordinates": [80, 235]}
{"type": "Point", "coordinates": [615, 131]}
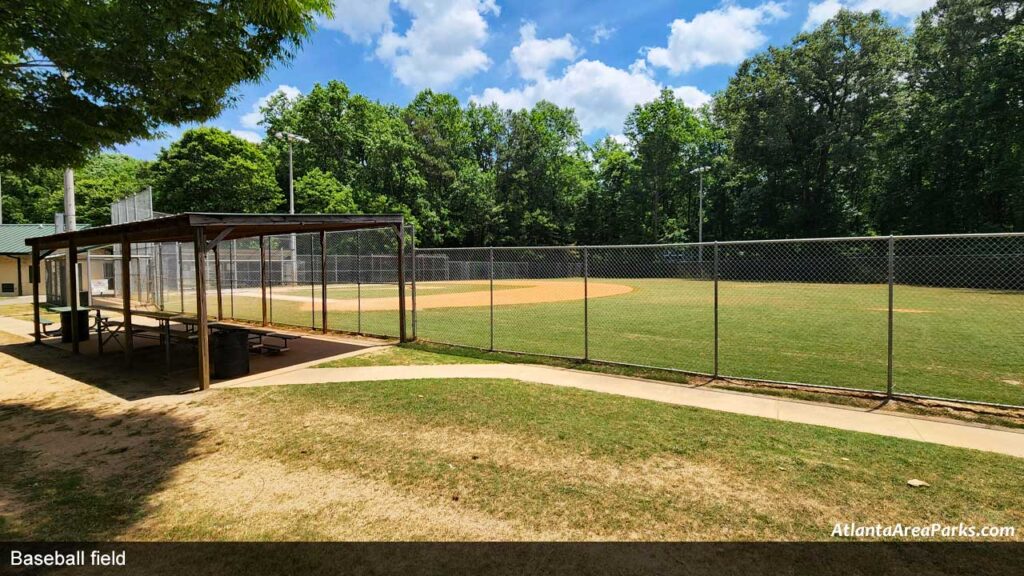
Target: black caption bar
{"type": "Point", "coordinates": [411, 559]}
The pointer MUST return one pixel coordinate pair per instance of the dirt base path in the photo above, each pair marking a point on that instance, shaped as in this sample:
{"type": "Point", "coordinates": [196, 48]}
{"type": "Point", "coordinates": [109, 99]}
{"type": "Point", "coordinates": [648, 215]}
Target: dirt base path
{"type": "Point", "coordinates": [535, 292]}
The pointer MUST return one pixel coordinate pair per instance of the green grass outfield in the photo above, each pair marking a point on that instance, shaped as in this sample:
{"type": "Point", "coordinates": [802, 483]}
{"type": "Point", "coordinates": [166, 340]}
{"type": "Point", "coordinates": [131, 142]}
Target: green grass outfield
{"type": "Point", "coordinates": [952, 343]}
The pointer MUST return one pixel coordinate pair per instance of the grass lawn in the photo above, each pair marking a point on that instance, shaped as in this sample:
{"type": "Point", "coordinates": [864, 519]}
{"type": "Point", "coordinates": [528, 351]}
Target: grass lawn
{"type": "Point", "coordinates": [963, 344]}
{"type": "Point", "coordinates": [951, 343]}
{"type": "Point", "coordinates": [24, 312]}
{"type": "Point", "coordinates": [471, 459]}
{"type": "Point", "coordinates": [402, 356]}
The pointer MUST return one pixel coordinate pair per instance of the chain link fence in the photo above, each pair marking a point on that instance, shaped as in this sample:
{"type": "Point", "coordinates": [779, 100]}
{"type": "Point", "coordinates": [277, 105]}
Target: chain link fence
{"type": "Point", "coordinates": [923, 316]}
{"type": "Point", "coordinates": [278, 280]}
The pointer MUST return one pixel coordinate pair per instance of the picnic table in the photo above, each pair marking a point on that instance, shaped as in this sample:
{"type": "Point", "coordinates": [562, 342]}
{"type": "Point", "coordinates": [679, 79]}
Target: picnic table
{"type": "Point", "coordinates": [65, 322]}
{"type": "Point", "coordinates": [258, 340]}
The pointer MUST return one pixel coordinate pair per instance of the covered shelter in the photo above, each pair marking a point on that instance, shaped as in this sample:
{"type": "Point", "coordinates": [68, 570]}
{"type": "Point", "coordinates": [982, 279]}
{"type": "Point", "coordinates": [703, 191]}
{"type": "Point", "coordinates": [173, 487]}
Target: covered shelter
{"type": "Point", "coordinates": [15, 270]}
{"type": "Point", "coordinates": [205, 231]}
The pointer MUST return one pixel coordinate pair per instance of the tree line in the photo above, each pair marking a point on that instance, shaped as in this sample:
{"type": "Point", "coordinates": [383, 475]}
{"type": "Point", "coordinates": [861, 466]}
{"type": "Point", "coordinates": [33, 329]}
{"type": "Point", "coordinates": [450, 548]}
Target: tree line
{"type": "Point", "coordinates": [857, 127]}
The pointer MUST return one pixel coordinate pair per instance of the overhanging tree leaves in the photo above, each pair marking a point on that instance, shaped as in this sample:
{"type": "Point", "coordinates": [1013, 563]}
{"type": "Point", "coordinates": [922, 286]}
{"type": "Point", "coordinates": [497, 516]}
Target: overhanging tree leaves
{"type": "Point", "coordinates": [80, 75]}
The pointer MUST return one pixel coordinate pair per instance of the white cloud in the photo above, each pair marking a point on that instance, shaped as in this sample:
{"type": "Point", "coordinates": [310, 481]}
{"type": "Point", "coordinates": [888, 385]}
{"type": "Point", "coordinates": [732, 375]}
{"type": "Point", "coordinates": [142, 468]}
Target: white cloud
{"type": "Point", "coordinates": [602, 95]}
{"type": "Point", "coordinates": [692, 96]}
{"type": "Point", "coordinates": [360, 20]}
{"type": "Point", "coordinates": [819, 12]}
{"type": "Point", "coordinates": [254, 116]}
{"type": "Point", "coordinates": [441, 45]}
{"type": "Point", "coordinates": [248, 135]}
{"type": "Point", "coordinates": [600, 33]}
{"type": "Point", "coordinates": [534, 56]}
{"type": "Point", "coordinates": [725, 35]}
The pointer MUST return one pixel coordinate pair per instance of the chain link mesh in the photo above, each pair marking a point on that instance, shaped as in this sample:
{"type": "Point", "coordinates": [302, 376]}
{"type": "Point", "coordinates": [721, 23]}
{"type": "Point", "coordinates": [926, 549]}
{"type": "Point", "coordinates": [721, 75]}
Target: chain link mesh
{"type": "Point", "coordinates": [815, 312]}
{"type": "Point", "coordinates": [803, 311]}
{"type": "Point", "coordinates": [958, 317]}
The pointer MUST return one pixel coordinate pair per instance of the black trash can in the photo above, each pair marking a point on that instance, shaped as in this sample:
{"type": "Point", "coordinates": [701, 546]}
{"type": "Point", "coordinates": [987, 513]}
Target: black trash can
{"type": "Point", "coordinates": [229, 351]}
{"type": "Point", "coordinates": [83, 326]}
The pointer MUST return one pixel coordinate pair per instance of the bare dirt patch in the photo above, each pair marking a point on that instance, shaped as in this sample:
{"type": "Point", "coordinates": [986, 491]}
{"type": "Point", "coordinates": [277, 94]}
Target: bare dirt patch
{"type": "Point", "coordinates": [903, 310]}
{"type": "Point", "coordinates": [536, 292]}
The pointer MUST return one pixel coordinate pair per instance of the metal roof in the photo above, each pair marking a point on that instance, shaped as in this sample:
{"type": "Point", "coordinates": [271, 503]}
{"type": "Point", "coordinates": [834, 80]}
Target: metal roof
{"type": "Point", "coordinates": [13, 236]}
{"type": "Point", "coordinates": [182, 228]}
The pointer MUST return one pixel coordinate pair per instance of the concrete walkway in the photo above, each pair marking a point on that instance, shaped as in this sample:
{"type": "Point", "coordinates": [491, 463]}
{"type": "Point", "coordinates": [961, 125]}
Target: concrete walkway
{"type": "Point", "coordinates": [1002, 441]}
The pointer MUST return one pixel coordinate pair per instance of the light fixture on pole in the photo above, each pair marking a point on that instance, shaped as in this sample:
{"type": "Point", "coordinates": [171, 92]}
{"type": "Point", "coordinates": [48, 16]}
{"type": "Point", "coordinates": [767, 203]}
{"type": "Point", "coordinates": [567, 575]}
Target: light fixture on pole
{"type": "Point", "coordinates": [700, 216]}
{"type": "Point", "coordinates": [290, 137]}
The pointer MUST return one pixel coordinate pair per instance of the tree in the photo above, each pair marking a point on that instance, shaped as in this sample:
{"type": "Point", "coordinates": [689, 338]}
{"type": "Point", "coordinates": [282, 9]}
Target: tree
{"type": "Point", "coordinates": [807, 126]}
{"type": "Point", "coordinates": [103, 180]}
{"type": "Point", "coordinates": [209, 170]}
{"type": "Point", "coordinates": [541, 174]}
{"type": "Point", "coordinates": [669, 140]}
{"type": "Point", "coordinates": [612, 211]}
{"type": "Point", "coordinates": [35, 194]}
{"type": "Point", "coordinates": [962, 144]}
{"type": "Point", "coordinates": [78, 75]}
{"type": "Point", "coordinates": [317, 192]}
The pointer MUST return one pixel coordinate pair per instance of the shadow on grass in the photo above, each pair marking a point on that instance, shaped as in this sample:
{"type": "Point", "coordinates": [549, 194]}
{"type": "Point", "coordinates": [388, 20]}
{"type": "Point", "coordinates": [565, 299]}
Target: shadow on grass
{"type": "Point", "coordinates": [69, 474]}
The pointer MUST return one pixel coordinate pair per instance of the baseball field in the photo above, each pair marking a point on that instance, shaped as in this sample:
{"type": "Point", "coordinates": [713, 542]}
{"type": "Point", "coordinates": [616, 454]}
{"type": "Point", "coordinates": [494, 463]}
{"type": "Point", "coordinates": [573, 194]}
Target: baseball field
{"type": "Point", "coordinates": [951, 343]}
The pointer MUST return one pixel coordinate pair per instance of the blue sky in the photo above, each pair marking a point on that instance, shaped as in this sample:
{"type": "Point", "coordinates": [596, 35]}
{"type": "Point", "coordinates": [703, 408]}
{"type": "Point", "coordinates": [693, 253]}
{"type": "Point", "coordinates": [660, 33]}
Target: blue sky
{"type": "Point", "coordinates": [600, 57]}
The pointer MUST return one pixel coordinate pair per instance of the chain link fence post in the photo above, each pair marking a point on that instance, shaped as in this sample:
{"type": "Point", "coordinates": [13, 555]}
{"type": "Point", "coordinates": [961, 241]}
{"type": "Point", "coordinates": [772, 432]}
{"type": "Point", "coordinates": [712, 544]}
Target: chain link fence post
{"type": "Point", "coordinates": [181, 279]}
{"type": "Point", "coordinates": [234, 275]}
{"type": "Point", "coordinates": [892, 275]}
{"type": "Point", "coordinates": [412, 239]}
{"type": "Point", "coordinates": [490, 275]}
{"type": "Point", "coordinates": [716, 274]}
{"type": "Point", "coordinates": [586, 304]}
{"type": "Point", "coordinates": [359, 282]}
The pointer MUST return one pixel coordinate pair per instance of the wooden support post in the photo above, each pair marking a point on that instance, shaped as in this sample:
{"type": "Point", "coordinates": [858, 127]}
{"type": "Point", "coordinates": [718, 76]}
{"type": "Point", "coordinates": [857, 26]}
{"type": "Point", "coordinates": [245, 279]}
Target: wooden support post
{"type": "Point", "coordinates": [181, 278]}
{"type": "Point", "coordinates": [263, 277]}
{"type": "Point", "coordinates": [201, 314]}
{"type": "Point", "coordinates": [323, 280]}
{"type": "Point", "coordinates": [34, 278]}
{"type": "Point", "coordinates": [216, 277]}
{"type": "Point", "coordinates": [400, 228]}
{"type": "Point", "coordinates": [126, 297]}
{"type": "Point", "coordinates": [21, 290]}
{"type": "Point", "coordinates": [72, 262]}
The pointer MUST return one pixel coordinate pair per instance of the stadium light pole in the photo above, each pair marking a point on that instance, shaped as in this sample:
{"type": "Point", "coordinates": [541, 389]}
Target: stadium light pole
{"type": "Point", "coordinates": [700, 211]}
{"type": "Point", "coordinates": [290, 138]}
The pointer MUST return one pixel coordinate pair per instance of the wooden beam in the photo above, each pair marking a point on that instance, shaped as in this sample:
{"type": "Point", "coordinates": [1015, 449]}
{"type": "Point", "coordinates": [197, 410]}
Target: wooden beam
{"type": "Point", "coordinates": [201, 314]}
{"type": "Point", "coordinates": [21, 291]}
{"type": "Point", "coordinates": [323, 281]}
{"type": "Point", "coordinates": [126, 298]}
{"type": "Point", "coordinates": [216, 276]}
{"type": "Point", "coordinates": [217, 240]}
{"type": "Point", "coordinates": [401, 282]}
{"type": "Point", "coordinates": [263, 277]}
{"type": "Point", "coordinates": [72, 262]}
{"type": "Point", "coordinates": [34, 277]}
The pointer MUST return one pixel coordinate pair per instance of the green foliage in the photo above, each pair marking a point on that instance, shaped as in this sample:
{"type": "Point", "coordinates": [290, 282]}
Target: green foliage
{"type": "Point", "coordinates": [104, 179]}
{"type": "Point", "coordinates": [35, 194]}
{"type": "Point", "coordinates": [77, 76]}
{"type": "Point", "coordinates": [670, 140]}
{"type": "Point", "coordinates": [317, 192]}
{"type": "Point", "coordinates": [856, 127]}
{"type": "Point", "coordinates": [961, 147]}
{"type": "Point", "coordinates": [806, 123]}
{"type": "Point", "coordinates": [209, 170]}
